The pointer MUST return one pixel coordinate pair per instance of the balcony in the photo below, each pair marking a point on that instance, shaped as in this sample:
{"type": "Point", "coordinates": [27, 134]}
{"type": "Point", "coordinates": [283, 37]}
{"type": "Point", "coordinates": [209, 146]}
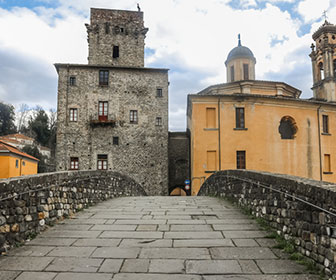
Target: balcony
{"type": "Point", "coordinates": [102, 121]}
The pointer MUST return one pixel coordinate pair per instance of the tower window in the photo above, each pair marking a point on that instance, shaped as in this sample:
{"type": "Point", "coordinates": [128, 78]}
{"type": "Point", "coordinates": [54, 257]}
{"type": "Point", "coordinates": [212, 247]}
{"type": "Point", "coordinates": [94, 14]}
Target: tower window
{"type": "Point", "coordinates": [159, 92]}
{"type": "Point", "coordinates": [102, 110]}
{"type": "Point", "coordinates": [240, 117]}
{"type": "Point", "coordinates": [115, 140]}
{"type": "Point", "coordinates": [246, 71]}
{"type": "Point", "coordinates": [133, 116]}
{"type": "Point", "coordinates": [115, 51]}
{"type": "Point", "coordinates": [103, 77]}
{"type": "Point", "coordinates": [232, 73]}
{"type": "Point", "coordinates": [72, 81]}
{"type": "Point", "coordinates": [74, 163]}
{"type": "Point", "coordinates": [327, 164]}
{"type": "Point", "coordinates": [325, 124]}
{"type": "Point", "coordinates": [102, 162]}
{"type": "Point", "coordinates": [287, 128]}
{"type": "Point", "coordinates": [73, 114]}
{"type": "Point", "coordinates": [158, 121]}
{"type": "Point", "coordinates": [241, 160]}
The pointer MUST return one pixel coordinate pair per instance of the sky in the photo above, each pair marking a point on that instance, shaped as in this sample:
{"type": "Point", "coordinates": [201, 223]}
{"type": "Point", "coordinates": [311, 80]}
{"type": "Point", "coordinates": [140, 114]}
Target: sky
{"type": "Point", "coordinates": [190, 37]}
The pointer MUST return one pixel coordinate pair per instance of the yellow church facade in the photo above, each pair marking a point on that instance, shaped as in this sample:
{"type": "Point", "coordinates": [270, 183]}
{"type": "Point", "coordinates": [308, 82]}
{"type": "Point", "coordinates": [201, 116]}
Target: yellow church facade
{"type": "Point", "coordinates": [264, 125]}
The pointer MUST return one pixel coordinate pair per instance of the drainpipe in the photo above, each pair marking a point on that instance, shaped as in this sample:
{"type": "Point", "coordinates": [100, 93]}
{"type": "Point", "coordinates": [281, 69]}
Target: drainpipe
{"type": "Point", "coordinates": [219, 138]}
{"type": "Point", "coordinates": [319, 139]}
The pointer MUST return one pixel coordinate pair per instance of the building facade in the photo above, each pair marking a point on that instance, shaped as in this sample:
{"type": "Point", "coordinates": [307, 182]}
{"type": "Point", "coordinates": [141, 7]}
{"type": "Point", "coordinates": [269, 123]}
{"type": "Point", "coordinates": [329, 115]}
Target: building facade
{"type": "Point", "coordinates": [15, 163]}
{"type": "Point", "coordinates": [264, 125]}
{"type": "Point", "coordinates": [113, 112]}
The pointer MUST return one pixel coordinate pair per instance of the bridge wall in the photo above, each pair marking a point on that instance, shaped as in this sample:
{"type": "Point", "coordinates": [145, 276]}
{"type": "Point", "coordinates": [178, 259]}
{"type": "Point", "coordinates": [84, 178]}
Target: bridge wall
{"type": "Point", "coordinates": [28, 204]}
{"type": "Point", "coordinates": [277, 199]}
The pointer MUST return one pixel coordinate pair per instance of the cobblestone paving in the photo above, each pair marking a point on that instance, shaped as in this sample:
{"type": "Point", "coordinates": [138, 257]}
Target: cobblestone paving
{"type": "Point", "coordinates": [187, 238]}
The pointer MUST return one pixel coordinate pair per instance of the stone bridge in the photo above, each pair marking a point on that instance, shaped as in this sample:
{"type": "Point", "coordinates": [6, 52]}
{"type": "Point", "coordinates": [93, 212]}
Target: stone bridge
{"type": "Point", "coordinates": [162, 237]}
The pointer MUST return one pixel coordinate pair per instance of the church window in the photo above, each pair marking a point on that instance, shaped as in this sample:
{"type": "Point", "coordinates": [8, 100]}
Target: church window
{"type": "Point", "coordinates": [327, 164]}
{"type": "Point", "coordinates": [115, 51]}
{"type": "Point", "coordinates": [241, 159]}
{"type": "Point", "coordinates": [325, 124]}
{"type": "Point", "coordinates": [158, 121]}
{"type": "Point", "coordinates": [232, 73]}
{"type": "Point", "coordinates": [102, 110]}
{"type": "Point", "coordinates": [133, 116]}
{"type": "Point", "coordinates": [72, 81]}
{"type": "Point", "coordinates": [73, 114]}
{"type": "Point", "coordinates": [211, 161]}
{"type": "Point", "coordinates": [287, 128]}
{"type": "Point", "coordinates": [321, 71]}
{"type": "Point", "coordinates": [246, 71]}
{"type": "Point", "coordinates": [102, 162]}
{"type": "Point", "coordinates": [240, 117]}
{"type": "Point", "coordinates": [210, 117]}
{"type": "Point", "coordinates": [74, 163]}
{"type": "Point", "coordinates": [103, 77]}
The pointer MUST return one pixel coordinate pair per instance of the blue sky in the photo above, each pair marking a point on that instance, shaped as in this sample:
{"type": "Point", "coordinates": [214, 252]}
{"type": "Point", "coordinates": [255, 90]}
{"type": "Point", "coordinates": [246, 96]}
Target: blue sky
{"type": "Point", "coordinates": [191, 37]}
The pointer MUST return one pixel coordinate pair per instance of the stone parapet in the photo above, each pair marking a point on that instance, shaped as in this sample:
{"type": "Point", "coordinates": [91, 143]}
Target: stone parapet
{"type": "Point", "coordinates": [28, 204]}
{"type": "Point", "coordinates": [298, 208]}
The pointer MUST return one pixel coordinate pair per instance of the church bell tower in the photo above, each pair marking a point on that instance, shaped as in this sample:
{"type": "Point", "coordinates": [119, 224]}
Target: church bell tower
{"type": "Point", "coordinates": [323, 58]}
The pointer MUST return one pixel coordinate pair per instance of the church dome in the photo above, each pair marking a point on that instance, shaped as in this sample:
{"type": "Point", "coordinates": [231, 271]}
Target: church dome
{"type": "Point", "coordinates": [240, 52]}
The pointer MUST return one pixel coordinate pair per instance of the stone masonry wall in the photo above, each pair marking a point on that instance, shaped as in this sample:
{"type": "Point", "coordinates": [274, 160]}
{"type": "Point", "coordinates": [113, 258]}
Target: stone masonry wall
{"type": "Point", "coordinates": [312, 229]}
{"type": "Point", "coordinates": [124, 29]}
{"type": "Point", "coordinates": [28, 204]}
{"type": "Point", "coordinates": [142, 151]}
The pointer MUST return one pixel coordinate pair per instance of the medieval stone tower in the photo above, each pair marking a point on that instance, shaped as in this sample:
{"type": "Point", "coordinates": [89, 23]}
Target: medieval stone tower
{"type": "Point", "coordinates": [324, 62]}
{"type": "Point", "coordinates": [113, 112]}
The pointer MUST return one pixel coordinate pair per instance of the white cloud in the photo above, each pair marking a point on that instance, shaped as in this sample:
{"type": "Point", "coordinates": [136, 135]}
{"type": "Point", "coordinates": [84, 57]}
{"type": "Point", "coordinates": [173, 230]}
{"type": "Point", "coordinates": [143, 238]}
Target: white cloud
{"type": "Point", "coordinates": [312, 9]}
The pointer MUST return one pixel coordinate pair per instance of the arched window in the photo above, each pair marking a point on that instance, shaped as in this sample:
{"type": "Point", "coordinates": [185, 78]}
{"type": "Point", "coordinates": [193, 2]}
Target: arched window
{"type": "Point", "coordinates": [321, 72]}
{"type": "Point", "coordinates": [287, 128]}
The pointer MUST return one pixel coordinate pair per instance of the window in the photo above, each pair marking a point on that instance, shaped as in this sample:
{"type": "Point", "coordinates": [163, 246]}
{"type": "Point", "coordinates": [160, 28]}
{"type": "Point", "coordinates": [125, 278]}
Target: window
{"type": "Point", "coordinates": [23, 163]}
{"type": "Point", "coordinates": [211, 160]}
{"type": "Point", "coordinates": [72, 81]}
{"type": "Point", "coordinates": [73, 114]}
{"type": "Point", "coordinates": [210, 118]}
{"type": "Point", "coordinates": [17, 163]}
{"type": "Point", "coordinates": [133, 116]}
{"type": "Point", "coordinates": [103, 77]}
{"type": "Point", "coordinates": [325, 124]}
{"type": "Point", "coordinates": [287, 128]}
{"type": "Point", "coordinates": [321, 72]}
{"type": "Point", "coordinates": [107, 27]}
{"type": "Point", "coordinates": [232, 73]}
{"type": "Point", "coordinates": [327, 164]}
{"type": "Point", "coordinates": [334, 64]}
{"type": "Point", "coordinates": [246, 71]}
{"type": "Point", "coordinates": [102, 110]}
{"type": "Point", "coordinates": [115, 51]}
{"type": "Point", "coordinates": [115, 140]}
{"type": "Point", "coordinates": [158, 121]}
{"type": "Point", "coordinates": [240, 117]}
{"type": "Point", "coordinates": [241, 160]}
{"type": "Point", "coordinates": [74, 163]}
{"type": "Point", "coordinates": [159, 92]}
{"type": "Point", "coordinates": [102, 162]}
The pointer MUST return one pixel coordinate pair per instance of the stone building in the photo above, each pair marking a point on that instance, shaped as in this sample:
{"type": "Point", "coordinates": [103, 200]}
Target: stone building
{"type": "Point", "coordinates": [265, 125]}
{"type": "Point", "coordinates": [113, 111]}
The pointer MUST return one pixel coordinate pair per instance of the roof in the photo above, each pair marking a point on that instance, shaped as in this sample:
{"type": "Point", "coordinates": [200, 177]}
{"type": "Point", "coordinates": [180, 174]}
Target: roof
{"type": "Point", "coordinates": [327, 27]}
{"type": "Point", "coordinates": [17, 135]}
{"type": "Point", "coordinates": [240, 52]}
{"type": "Point", "coordinates": [7, 148]}
{"type": "Point", "coordinates": [59, 65]}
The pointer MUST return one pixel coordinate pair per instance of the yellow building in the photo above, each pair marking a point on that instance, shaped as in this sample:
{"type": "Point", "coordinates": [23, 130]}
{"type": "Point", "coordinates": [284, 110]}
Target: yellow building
{"type": "Point", "coordinates": [14, 163]}
{"type": "Point", "coordinates": [264, 125]}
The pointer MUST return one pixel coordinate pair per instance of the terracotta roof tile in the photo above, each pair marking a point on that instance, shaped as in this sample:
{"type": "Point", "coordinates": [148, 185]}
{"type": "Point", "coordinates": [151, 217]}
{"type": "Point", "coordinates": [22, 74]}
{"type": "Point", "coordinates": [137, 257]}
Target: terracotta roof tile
{"type": "Point", "coordinates": [11, 149]}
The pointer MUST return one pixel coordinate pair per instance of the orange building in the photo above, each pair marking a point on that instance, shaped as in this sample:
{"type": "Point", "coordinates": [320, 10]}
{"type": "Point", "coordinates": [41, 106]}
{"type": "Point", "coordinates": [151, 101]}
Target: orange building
{"type": "Point", "coordinates": [14, 163]}
{"type": "Point", "coordinates": [264, 125]}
